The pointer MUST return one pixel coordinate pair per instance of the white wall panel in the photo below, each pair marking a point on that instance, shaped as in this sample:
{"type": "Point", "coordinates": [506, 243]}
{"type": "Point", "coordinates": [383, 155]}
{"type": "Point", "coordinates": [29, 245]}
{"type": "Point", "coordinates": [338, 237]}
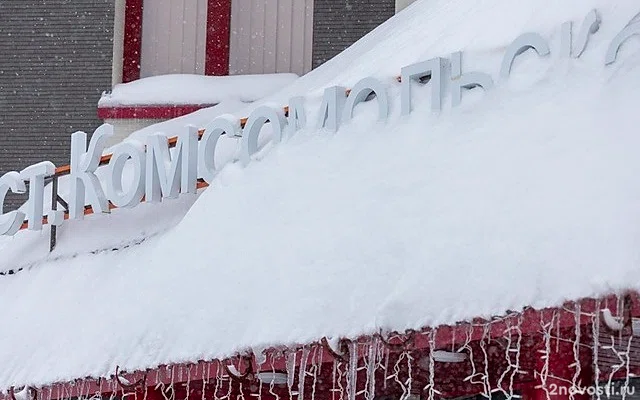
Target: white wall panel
{"type": "Point", "coordinates": [270, 53]}
{"type": "Point", "coordinates": [201, 36]}
{"type": "Point", "coordinates": [173, 37]}
{"type": "Point", "coordinates": [402, 4]}
{"type": "Point", "coordinates": [283, 36]}
{"type": "Point", "coordinates": [270, 36]}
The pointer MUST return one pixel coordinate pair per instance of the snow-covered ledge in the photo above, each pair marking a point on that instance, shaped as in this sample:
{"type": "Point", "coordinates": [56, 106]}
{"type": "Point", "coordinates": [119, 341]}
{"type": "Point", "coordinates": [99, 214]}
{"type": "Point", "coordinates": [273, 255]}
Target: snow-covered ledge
{"type": "Point", "coordinates": [126, 120]}
{"type": "Point", "coordinates": [135, 105]}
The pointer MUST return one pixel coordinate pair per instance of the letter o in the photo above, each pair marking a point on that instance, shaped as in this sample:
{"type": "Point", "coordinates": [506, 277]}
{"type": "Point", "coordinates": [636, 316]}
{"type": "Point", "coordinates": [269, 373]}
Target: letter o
{"type": "Point", "coordinates": [363, 89]}
{"type": "Point", "coordinates": [256, 121]}
{"type": "Point", "coordinates": [122, 153]}
{"type": "Point", "coordinates": [222, 125]}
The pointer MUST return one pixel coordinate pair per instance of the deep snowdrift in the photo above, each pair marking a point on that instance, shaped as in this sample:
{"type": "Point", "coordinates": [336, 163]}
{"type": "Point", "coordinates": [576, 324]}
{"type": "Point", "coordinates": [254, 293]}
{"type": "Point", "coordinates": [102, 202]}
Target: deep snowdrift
{"type": "Point", "coordinates": [525, 195]}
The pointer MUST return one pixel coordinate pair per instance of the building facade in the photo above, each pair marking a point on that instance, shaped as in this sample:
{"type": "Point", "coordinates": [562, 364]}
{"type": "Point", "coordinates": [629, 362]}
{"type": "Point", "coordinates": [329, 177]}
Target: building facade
{"type": "Point", "coordinates": [216, 37]}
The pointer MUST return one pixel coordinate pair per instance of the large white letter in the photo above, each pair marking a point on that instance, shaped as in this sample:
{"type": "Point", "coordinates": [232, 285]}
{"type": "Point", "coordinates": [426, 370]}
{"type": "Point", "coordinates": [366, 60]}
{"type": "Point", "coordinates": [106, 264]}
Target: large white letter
{"type": "Point", "coordinates": [10, 222]}
{"type": "Point", "coordinates": [622, 37]}
{"type": "Point", "coordinates": [35, 174]}
{"type": "Point", "coordinates": [297, 118]}
{"type": "Point", "coordinates": [82, 174]}
{"type": "Point", "coordinates": [361, 91]}
{"type": "Point", "coordinates": [331, 108]}
{"type": "Point", "coordinates": [435, 69]}
{"type": "Point", "coordinates": [256, 121]}
{"type": "Point", "coordinates": [134, 151]}
{"type": "Point", "coordinates": [521, 44]}
{"type": "Point", "coordinates": [590, 25]}
{"type": "Point", "coordinates": [183, 174]}
{"type": "Point", "coordinates": [222, 125]}
{"type": "Point", "coordinates": [468, 80]}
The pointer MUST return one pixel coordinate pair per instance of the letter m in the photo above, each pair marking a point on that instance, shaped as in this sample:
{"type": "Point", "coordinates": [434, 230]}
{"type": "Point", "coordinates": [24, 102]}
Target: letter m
{"type": "Point", "coordinates": [168, 176]}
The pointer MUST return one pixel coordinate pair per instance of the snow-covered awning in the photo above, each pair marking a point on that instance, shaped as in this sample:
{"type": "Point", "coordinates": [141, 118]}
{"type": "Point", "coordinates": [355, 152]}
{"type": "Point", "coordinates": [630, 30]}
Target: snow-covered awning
{"type": "Point", "coordinates": [522, 196]}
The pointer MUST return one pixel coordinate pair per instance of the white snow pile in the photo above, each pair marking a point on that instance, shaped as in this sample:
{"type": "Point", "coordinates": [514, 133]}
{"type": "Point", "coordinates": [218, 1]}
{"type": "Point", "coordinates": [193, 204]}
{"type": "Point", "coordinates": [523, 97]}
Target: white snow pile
{"type": "Point", "coordinates": [524, 195]}
{"type": "Point", "coordinates": [181, 89]}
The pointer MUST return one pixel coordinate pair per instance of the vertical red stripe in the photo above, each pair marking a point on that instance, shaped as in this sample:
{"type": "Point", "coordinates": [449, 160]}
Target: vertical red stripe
{"type": "Point", "coordinates": [132, 47]}
{"type": "Point", "coordinates": [218, 35]}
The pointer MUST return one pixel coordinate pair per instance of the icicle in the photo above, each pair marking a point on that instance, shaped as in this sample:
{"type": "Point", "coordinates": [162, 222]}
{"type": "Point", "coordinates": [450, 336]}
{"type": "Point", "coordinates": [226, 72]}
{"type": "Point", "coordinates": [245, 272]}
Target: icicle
{"type": "Point", "coordinates": [89, 394]}
{"type": "Point", "coordinates": [518, 352]}
{"type": "Point", "coordinates": [507, 355]}
{"type": "Point", "coordinates": [547, 329]}
{"type": "Point", "coordinates": [557, 330]}
{"type": "Point", "coordinates": [172, 386]}
{"type": "Point", "coordinates": [314, 369]}
{"type": "Point", "coordinates": [371, 370]}
{"type": "Point", "coordinates": [80, 389]}
{"type": "Point", "coordinates": [272, 383]}
{"type": "Point", "coordinates": [320, 360]}
{"type": "Point", "coordinates": [188, 386]}
{"type": "Point", "coordinates": [334, 379]}
{"type": "Point", "coordinates": [483, 343]}
{"type": "Point", "coordinates": [352, 374]}
{"type": "Point", "coordinates": [79, 386]}
{"type": "Point", "coordinates": [386, 367]}
{"type": "Point", "coordinates": [230, 388]}
{"type": "Point", "coordinates": [576, 386]}
{"type": "Point", "coordinates": [113, 392]}
{"type": "Point", "coordinates": [409, 374]}
{"type": "Point", "coordinates": [432, 367]}
{"type": "Point", "coordinates": [75, 389]}
{"type": "Point", "coordinates": [302, 372]}
{"type": "Point", "coordinates": [216, 388]}
{"type": "Point", "coordinates": [380, 359]}
{"type": "Point", "coordinates": [205, 380]}
{"type": "Point", "coordinates": [291, 372]}
{"type": "Point", "coordinates": [595, 329]}
{"type": "Point", "coordinates": [467, 346]}
{"type": "Point", "coordinates": [625, 388]}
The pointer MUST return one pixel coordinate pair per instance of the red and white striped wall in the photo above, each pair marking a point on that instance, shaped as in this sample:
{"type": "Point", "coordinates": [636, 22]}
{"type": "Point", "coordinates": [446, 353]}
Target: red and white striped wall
{"type": "Point", "coordinates": [212, 37]}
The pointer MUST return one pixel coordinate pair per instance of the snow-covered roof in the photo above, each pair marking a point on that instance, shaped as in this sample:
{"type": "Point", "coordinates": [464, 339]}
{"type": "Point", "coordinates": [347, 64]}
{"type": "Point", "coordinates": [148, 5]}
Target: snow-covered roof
{"type": "Point", "coordinates": [524, 195]}
{"type": "Point", "coordinates": [194, 89]}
